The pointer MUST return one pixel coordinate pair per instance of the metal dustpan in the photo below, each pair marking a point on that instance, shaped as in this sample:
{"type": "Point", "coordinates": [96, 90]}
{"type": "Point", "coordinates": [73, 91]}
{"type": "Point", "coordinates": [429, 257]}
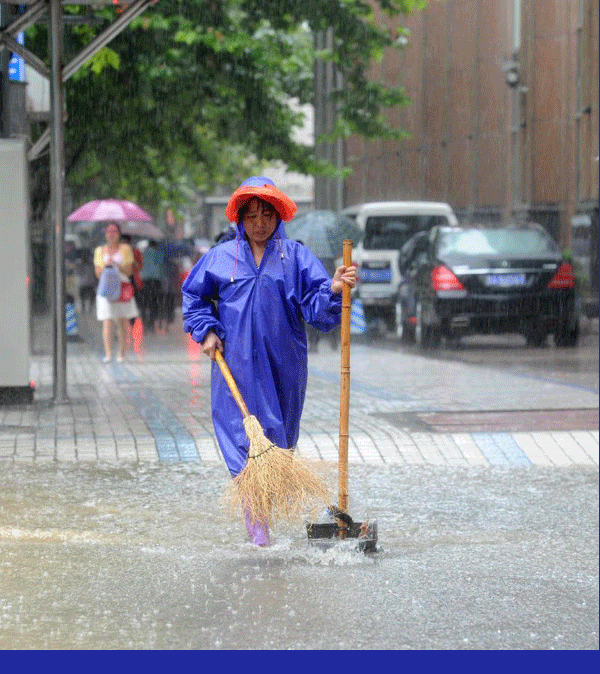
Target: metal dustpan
{"type": "Point", "coordinates": [327, 534]}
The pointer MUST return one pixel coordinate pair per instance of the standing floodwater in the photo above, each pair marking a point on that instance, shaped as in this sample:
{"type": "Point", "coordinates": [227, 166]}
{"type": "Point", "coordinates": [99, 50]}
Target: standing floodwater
{"type": "Point", "coordinates": [147, 558]}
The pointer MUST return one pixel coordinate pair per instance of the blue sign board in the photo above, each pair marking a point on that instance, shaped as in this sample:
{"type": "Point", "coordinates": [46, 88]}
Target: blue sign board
{"type": "Point", "coordinates": [16, 65]}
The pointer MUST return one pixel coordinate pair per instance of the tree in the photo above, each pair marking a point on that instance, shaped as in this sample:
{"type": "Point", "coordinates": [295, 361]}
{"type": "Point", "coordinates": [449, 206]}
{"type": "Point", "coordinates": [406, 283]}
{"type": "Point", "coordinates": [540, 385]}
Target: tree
{"type": "Point", "coordinates": [194, 93]}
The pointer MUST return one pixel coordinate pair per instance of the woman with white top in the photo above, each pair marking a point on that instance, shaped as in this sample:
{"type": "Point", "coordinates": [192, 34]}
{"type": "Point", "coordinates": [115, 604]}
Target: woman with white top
{"type": "Point", "coordinates": [120, 255]}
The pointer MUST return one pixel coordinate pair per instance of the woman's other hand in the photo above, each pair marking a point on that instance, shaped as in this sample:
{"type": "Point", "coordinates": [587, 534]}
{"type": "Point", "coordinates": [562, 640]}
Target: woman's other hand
{"type": "Point", "coordinates": [343, 275]}
{"type": "Point", "coordinates": [211, 344]}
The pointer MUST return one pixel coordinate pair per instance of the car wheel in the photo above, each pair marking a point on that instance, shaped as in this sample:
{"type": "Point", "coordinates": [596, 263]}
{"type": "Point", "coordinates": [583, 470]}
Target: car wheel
{"type": "Point", "coordinates": [419, 327]}
{"type": "Point", "coordinates": [403, 332]}
{"type": "Point", "coordinates": [426, 337]}
{"type": "Point", "coordinates": [454, 342]}
{"type": "Point", "coordinates": [567, 335]}
{"type": "Point", "coordinates": [390, 322]}
{"type": "Point", "coordinates": [435, 338]}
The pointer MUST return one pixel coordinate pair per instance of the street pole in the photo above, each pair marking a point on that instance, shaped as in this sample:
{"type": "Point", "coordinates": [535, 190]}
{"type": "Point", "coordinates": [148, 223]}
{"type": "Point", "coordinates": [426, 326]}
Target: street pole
{"type": "Point", "coordinates": [4, 59]}
{"type": "Point", "coordinates": [329, 192]}
{"type": "Point", "coordinates": [57, 200]}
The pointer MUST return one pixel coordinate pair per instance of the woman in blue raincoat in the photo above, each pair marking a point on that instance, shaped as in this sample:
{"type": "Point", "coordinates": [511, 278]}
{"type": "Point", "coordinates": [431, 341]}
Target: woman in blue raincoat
{"type": "Point", "coordinates": [249, 298]}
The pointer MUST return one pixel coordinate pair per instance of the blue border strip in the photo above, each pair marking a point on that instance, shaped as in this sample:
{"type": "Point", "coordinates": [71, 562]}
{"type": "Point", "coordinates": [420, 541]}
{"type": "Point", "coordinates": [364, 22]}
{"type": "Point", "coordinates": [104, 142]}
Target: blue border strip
{"type": "Point", "coordinates": [500, 449]}
{"type": "Point", "coordinates": [173, 441]}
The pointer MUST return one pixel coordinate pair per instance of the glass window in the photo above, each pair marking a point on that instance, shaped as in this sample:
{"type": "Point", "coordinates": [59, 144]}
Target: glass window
{"type": "Point", "coordinates": [390, 232]}
{"type": "Point", "coordinates": [497, 242]}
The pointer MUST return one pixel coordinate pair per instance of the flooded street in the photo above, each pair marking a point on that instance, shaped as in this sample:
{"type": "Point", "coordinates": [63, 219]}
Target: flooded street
{"type": "Point", "coordinates": [481, 477]}
{"type": "Point", "coordinates": [95, 557]}
{"type": "Point", "coordinates": [229, 164]}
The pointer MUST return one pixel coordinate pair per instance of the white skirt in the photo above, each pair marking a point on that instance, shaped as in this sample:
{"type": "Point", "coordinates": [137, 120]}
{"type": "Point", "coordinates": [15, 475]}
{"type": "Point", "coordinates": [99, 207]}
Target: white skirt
{"type": "Point", "coordinates": [107, 309]}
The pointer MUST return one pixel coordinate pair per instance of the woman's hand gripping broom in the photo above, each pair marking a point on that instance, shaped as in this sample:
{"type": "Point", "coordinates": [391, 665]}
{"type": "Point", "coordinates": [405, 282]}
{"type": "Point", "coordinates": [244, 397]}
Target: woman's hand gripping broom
{"type": "Point", "coordinates": [275, 481]}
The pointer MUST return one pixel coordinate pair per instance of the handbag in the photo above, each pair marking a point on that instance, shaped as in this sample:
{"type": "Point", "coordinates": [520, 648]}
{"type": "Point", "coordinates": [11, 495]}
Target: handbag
{"type": "Point", "coordinates": [109, 284]}
{"type": "Point", "coordinates": [126, 292]}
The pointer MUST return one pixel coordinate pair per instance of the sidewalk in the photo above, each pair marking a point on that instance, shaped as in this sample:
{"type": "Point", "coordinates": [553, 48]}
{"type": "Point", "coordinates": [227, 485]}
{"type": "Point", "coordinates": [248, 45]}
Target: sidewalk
{"type": "Point", "coordinates": [155, 407]}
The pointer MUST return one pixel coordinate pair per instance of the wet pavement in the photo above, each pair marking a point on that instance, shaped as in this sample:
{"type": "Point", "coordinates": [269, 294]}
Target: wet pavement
{"type": "Point", "coordinates": [483, 482]}
{"type": "Point", "coordinates": [405, 408]}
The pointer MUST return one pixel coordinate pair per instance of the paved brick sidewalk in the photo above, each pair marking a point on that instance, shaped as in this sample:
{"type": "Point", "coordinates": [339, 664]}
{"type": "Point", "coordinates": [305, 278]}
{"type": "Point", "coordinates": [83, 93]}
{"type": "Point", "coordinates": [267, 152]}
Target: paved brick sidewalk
{"type": "Point", "coordinates": [155, 407]}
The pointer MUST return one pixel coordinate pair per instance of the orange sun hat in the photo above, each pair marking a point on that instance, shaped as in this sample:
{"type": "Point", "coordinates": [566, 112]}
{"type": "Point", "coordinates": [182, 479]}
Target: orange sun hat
{"type": "Point", "coordinates": [263, 188]}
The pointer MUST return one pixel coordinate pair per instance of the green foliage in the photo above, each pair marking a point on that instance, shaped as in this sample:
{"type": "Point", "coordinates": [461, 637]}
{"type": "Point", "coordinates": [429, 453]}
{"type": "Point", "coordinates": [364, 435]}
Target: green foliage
{"type": "Point", "coordinates": [194, 93]}
{"type": "Point", "coordinates": [105, 57]}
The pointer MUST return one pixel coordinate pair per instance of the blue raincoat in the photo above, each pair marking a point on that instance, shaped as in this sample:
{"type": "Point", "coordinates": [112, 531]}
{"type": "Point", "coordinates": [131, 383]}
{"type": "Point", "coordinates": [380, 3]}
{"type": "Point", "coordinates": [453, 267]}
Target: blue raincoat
{"type": "Point", "coordinates": [259, 314]}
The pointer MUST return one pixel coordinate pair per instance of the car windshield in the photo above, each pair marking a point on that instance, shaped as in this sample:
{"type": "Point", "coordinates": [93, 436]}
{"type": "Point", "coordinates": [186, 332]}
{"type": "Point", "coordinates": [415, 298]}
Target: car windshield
{"type": "Point", "coordinates": [385, 232]}
{"type": "Point", "coordinates": [497, 242]}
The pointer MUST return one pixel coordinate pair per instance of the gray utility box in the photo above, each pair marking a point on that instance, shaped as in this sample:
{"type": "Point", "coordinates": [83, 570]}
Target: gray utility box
{"type": "Point", "coordinates": [15, 348]}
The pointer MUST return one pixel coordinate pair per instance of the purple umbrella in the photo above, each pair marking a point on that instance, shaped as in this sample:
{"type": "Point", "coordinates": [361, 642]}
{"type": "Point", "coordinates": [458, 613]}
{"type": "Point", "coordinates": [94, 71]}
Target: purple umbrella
{"type": "Point", "coordinates": [132, 219]}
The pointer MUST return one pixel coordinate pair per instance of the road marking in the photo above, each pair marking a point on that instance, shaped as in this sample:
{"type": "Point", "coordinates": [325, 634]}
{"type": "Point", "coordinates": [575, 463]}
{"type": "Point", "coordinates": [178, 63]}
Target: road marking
{"type": "Point", "coordinates": [588, 442]}
{"type": "Point", "coordinates": [470, 450]}
{"type": "Point", "coordinates": [531, 449]}
{"type": "Point", "coordinates": [551, 449]}
{"type": "Point", "coordinates": [571, 447]}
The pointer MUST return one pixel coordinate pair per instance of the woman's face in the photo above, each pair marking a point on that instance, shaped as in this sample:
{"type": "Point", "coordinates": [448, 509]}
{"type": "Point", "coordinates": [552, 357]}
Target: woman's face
{"type": "Point", "coordinates": [259, 221]}
{"type": "Point", "coordinates": [112, 234]}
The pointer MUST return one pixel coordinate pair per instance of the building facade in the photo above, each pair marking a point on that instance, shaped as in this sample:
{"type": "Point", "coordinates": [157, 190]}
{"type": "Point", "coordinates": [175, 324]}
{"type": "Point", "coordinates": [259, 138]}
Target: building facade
{"type": "Point", "coordinates": [503, 119]}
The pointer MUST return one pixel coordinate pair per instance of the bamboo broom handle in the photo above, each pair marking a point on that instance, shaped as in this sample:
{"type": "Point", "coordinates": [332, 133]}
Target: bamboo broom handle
{"type": "Point", "coordinates": [231, 383]}
{"type": "Point", "coordinates": [345, 384]}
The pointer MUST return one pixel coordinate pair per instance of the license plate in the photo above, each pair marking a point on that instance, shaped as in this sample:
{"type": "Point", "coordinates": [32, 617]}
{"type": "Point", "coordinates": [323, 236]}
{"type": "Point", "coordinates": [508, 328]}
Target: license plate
{"type": "Point", "coordinates": [375, 275]}
{"type": "Point", "coordinates": [505, 280]}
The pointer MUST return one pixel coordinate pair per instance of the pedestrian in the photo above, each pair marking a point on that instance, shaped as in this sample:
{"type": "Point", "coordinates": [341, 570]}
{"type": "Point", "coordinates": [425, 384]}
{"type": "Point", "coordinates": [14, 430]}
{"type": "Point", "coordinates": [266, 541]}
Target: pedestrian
{"type": "Point", "coordinates": [152, 275]}
{"type": "Point", "coordinates": [87, 280]}
{"type": "Point", "coordinates": [138, 263]}
{"type": "Point", "coordinates": [71, 255]}
{"type": "Point", "coordinates": [249, 298]}
{"type": "Point", "coordinates": [171, 289]}
{"type": "Point", "coordinates": [120, 255]}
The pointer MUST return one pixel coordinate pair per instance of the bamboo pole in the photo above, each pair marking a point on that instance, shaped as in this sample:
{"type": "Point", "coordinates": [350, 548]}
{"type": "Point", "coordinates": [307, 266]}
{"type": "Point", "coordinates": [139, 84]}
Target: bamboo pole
{"type": "Point", "coordinates": [344, 391]}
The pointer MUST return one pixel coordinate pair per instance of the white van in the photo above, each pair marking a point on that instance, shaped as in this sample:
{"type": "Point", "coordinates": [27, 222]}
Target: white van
{"type": "Point", "coordinates": [386, 226]}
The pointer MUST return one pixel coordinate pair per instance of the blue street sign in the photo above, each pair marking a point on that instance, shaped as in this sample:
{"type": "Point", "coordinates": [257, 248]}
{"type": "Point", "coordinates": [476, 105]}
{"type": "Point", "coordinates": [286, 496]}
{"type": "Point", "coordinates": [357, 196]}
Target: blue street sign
{"type": "Point", "coordinates": [16, 65]}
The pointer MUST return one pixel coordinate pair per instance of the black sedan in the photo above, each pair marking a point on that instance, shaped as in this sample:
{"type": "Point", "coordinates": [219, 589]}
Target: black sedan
{"type": "Point", "coordinates": [478, 280]}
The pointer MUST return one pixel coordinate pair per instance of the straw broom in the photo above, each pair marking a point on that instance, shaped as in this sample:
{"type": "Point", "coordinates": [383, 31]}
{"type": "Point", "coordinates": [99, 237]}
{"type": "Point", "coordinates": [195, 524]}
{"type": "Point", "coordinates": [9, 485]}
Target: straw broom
{"type": "Point", "coordinates": [275, 481]}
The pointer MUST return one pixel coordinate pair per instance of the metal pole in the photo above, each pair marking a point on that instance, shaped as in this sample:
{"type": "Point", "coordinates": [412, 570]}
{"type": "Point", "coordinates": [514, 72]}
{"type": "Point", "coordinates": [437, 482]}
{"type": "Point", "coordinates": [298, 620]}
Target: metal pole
{"type": "Point", "coordinates": [30, 58]}
{"type": "Point", "coordinates": [30, 16]}
{"type": "Point", "coordinates": [57, 199]}
{"type": "Point", "coordinates": [319, 200]}
{"type": "Point", "coordinates": [4, 60]}
{"type": "Point", "coordinates": [339, 154]}
{"type": "Point", "coordinates": [134, 10]}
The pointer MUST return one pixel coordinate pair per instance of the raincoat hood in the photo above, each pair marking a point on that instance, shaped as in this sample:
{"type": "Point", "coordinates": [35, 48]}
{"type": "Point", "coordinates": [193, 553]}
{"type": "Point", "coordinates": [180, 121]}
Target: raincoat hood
{"type": "Point", "coordinates": [263, 188]}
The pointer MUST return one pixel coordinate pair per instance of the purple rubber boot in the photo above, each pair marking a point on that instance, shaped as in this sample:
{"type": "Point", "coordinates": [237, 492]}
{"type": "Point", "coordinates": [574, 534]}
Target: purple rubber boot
{"type": "Point", "coordinates": [258, 532]}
